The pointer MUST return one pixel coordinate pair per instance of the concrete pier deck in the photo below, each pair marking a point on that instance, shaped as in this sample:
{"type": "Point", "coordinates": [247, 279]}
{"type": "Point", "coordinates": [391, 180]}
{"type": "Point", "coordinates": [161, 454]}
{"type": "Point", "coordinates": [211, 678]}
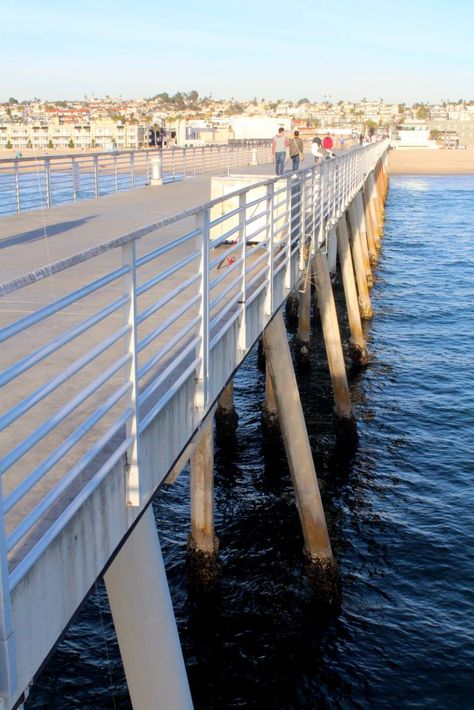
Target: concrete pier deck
{"type": "Point", "coordinates": [33, 239]}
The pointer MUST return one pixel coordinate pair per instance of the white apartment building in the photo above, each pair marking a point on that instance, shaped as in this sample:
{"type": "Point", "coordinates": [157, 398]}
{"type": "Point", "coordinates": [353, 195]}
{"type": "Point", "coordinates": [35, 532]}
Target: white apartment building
{"type": "Point", "coordinates": [96, 134]}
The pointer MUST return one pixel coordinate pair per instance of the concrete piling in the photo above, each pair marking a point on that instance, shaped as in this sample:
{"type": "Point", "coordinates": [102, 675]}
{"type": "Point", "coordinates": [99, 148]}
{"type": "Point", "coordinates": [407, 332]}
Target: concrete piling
{"type": "Point", "coordinates": [203, 544]}
{"type": "Point", "coordinates": [332, 342]}
{"type": "Point", "coordinates": [360, 274]}
{"type": "Point", "coordinates": [304, 319]}
{"type": "Point", "coordinates": [144, 622]}
{"type": "Point", "coordinates": [291, 308]}
{"type": "Point", "coordinates": [227, 418]}
{"type": "Point", "coordinates": [358, 207]}
{"type": "Point", "coordinates": [357, 341]}
{"type": "Point", "coordinates": [295, 437]}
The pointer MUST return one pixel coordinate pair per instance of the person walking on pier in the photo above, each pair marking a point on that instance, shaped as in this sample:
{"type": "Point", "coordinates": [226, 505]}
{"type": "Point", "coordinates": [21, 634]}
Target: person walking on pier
{"type": "Point", "coordinates": [296, 150]}
{"type": "Point", "coordinates": [279, 145]}
{"type": "Point", "coordinates": [328, 142]}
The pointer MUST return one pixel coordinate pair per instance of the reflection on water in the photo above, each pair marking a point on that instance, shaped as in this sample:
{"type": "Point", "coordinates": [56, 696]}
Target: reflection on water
{"type": "Point", "coordinates": [399, 508]}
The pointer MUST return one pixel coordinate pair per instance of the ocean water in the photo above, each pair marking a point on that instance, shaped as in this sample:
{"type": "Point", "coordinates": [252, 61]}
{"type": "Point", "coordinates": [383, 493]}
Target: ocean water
{"type": "Point", "coordinates": [399, 506]}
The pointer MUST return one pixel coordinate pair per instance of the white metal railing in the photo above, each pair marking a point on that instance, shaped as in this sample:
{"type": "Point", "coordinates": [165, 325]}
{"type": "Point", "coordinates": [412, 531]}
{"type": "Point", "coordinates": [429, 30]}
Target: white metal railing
{"type": "Point", "coordinates": [45, 181]}
{"type": "Point", "coordinates": [84, 375]}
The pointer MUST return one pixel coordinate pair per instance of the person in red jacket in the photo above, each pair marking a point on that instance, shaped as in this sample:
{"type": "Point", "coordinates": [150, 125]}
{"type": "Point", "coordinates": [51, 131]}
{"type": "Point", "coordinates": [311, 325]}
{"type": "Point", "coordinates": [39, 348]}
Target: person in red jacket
{"type": "Point", "coordinates": [328, 142]}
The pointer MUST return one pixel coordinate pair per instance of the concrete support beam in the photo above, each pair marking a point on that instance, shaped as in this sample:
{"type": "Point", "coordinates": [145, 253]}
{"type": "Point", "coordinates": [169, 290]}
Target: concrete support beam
{"type": "Point", "coordinates": [358, 345]}
{"type": "Point", "coordinates": [358, 207]}
{"type": "Point", "coordinates": [332, 339]}
{"type": "Point", "coordinates": [291, 308]}
{"type": "Point", "coordinates": [295, 437]}
{"type": "Point", "coordinates": [361, 279]}
{"type": "Point", "coordinates": [226, 417]}
{"type": "Point", "coordinates": [361, 237]}
{"type": "Point", "coordinates": [202, 538]}
{"type": "Point", "coordinates": [304, 318]}
{"type": "Point", "coordinates": [145, 624]}
{"type": "Point", "coordinates": [372, 210]}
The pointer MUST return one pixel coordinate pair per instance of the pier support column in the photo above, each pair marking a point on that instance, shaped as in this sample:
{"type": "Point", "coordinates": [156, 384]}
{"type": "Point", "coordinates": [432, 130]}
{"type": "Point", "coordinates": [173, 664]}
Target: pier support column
{"type": "Point", "coordinates": [358, 208]}
{"type": "Point", "coordinates": [202, 537]}
{"type": "Point", "coordinates": [371, 211]}
{"type": "Point", "coordinates": [304, 318]}
{"type": "Point", "coordinates": [291, 308]}
{"type": "Point", "coordinates": [226, 416]}
{"type": "Point", "coordinates": [360, 236]}
{"type": "Point", "coordinates": [361, 279]}
{"type": "Point", "coordinates": [144, 622]}
{"type": "Point", "coordinates": [270, 423]}
{"type": "Point", "coordinates": [357, 342]}
{"type": "Point", "coordinates": [332, 342]}
{"type": "Point", "coordinates": [298, 450]}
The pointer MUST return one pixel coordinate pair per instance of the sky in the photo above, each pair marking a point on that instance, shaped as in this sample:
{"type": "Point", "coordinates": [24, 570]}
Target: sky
{"type": "Point", "coordinates": [397, 50]}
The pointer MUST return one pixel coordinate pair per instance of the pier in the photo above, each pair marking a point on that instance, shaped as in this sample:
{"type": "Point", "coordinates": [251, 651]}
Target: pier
{"type": "Point", "coordinates": [123, 321]}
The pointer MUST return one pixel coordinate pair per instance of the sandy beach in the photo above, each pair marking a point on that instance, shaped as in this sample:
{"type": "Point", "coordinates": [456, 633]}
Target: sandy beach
{"type": "Point", "coordinates": [424, 161]}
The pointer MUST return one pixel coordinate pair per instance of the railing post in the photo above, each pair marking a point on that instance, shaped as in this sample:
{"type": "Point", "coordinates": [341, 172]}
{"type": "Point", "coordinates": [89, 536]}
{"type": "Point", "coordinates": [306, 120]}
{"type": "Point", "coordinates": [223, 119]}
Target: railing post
{"type": "Point", "coordinates": [242, 338]}
{"type": "Point", "coordinates": [289, 200]}
{"type": "Point", "coordinates": [201, 390]}
{"type": "Point", "coordinates": [8, 675]}
{"type": "Point", "coordinates": [322, 205]}
{"type": "Point", "coordinates": [47, 177]}
{"type": "Point", "coordinates": [116, 173]}
{"type": "Point", "coordinates": [303, 193]}
{"type": "Point", "coordinates": [268, 307]}
{"type": "Point", "coordinates": [75, 181]}
{"type": "Point", "coordinates": [132, 168]}
{"type": "Point", "coordinates": [185, 151]}
{"type": "Point", "coordinates": [96, 175]}
{"type": "Point", "coordinates": [17, 187]}
{"type": "Point", "coordinates": [194, 160]}
{"type": "Point", "coordinates": [130, 315]}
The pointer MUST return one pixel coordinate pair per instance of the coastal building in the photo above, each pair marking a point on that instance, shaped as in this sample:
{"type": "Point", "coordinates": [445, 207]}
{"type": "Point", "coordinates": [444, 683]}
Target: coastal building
{"type": "Point", "coordinates": [101, 134]}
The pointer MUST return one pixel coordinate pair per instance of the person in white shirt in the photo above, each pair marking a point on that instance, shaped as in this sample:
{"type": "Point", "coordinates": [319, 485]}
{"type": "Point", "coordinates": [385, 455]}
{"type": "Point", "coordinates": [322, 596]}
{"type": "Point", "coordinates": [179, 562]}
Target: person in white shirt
{"type": "Point", "coordinates": [279, 145]}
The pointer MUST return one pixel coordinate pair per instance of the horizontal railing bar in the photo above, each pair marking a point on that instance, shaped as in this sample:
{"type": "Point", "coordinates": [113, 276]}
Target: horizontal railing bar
{"type": "Point", "coordinates": [168, 247]}
{"type": "Point", "coordinates": [225, 291]}
{"type": "Point", "coordinates": [255, 293]}
{"type": "Point", "coordinates": [233, 246]}
{"type": "Point", "coordinates": [167, 273]}
{"type": "Point", "coordinates": [53, 531]}
{"type": "Point", "coordinates": [224, 217]}
{"type": "Point", "coordinates": [231, 267]}
{"type": "Point", "coordinates": [156, 409]}
{"type": "Point", "coordinates": [146, 394]}
{"type": "Point", "coordinates": [229, 323]}
{"type": "Point", "coordinates": [55, 456]}
{"type": "Point", "coordinates": [166, 323]}
{"type": "Point", "coordinates": [222, 313]}
{"type": "Point", "coordinates": [217, 241]}
{"type": "Point", "coordinates": [53, 308]}
{"type": "Point", "coordinates": [170, 344]}
{"type": "Point", "coordinates": [57, 418]}
{"type": "Point", "coordinates": [26, 363]}
{"type": "Point", "coordinates": [42, 392]}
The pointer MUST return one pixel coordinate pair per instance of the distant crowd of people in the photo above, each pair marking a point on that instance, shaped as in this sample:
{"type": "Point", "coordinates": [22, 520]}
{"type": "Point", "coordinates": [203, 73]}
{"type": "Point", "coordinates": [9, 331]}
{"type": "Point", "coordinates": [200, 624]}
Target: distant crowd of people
{"type": "Point", "coordinates": [321, 149]}
{"type": "Point", "coordinates": [281, 143]}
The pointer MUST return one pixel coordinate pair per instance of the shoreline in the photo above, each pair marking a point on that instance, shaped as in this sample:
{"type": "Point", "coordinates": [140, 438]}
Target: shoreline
{"type": "Point", "coordinates": [426, 161]}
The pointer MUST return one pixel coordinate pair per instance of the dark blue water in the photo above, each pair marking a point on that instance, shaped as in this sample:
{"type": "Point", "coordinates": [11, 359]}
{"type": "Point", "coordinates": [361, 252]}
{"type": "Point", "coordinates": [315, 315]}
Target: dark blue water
{"type": "Point", "coordinates": [400, 510]}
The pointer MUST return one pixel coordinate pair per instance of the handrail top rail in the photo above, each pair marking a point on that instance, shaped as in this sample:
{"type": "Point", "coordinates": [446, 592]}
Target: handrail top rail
{"type": "Point", "coordinates": [124, 151]}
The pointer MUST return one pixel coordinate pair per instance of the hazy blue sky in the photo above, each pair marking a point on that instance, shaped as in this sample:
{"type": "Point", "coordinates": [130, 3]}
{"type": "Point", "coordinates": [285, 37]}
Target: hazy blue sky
{"type": "Point", "coordinates": [394, 49]}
